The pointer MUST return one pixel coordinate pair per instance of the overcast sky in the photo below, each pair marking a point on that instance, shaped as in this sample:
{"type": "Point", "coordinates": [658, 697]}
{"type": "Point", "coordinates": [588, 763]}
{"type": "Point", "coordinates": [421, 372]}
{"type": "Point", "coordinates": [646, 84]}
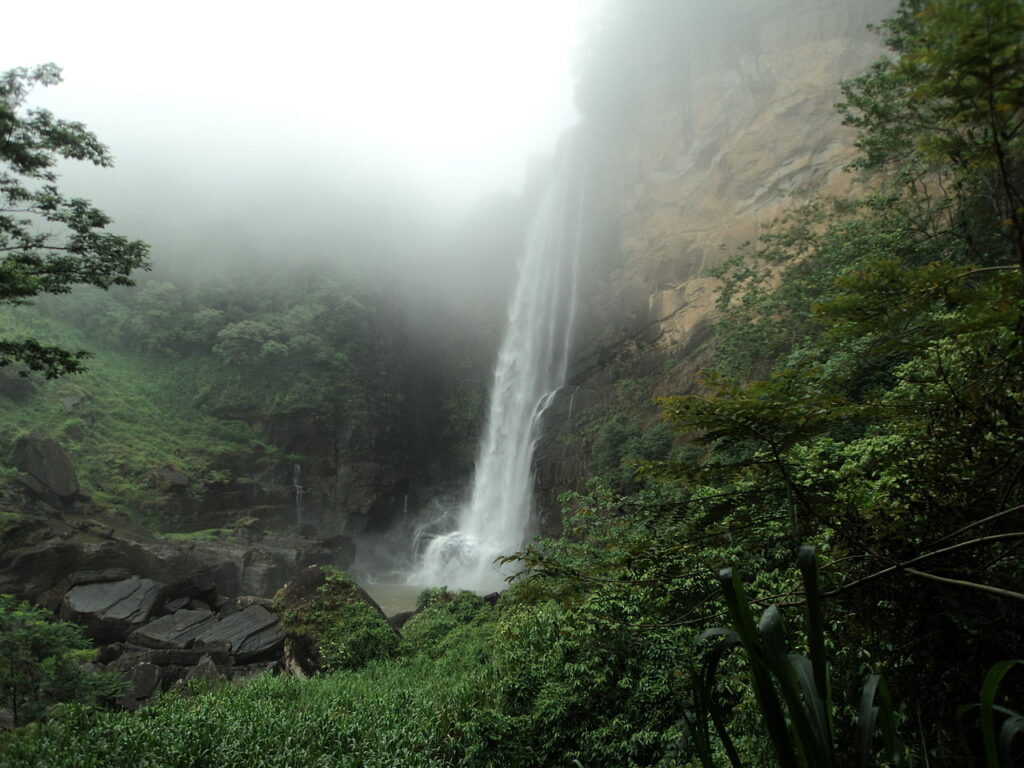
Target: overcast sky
{"type": "Point", "coordinates": [222, 101]}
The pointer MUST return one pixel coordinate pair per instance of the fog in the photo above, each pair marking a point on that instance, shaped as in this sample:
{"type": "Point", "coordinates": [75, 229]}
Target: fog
{"type": "Point", "coordinates": [360, 132]}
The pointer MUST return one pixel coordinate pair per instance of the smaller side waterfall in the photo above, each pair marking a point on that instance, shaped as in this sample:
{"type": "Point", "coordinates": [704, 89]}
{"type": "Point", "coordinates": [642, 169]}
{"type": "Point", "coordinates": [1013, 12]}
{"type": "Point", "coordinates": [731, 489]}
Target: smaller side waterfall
{"type": "Point", "coordinates": [531, 368]}
{"type": "Point", "coordinates": [300, 491]}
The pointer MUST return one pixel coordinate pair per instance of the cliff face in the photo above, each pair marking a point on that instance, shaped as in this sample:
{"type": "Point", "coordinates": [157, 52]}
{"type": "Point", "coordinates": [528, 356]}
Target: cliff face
{"type": "Point", "coordinates": [722, 119]}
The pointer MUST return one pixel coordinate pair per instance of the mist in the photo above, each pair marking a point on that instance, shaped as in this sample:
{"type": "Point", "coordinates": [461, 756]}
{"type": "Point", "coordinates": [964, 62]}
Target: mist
{"type": "Point", "coordinates": [364, 136]}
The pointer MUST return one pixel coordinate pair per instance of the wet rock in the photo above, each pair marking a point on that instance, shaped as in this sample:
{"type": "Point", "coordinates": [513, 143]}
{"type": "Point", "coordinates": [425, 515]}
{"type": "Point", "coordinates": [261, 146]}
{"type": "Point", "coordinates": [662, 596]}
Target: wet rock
{"type": "Point", "coordinates": [250, 634]}
{"type": "Point", "coordinates": [109, 611]}
{"type": "Point", "coordinates": [174, 631]}
{"type": "Point", "coordinates": [144, 685]}
{"type": "Point", "coordinates": [175, 605]}
{"type": "Point", "coordinates": [46, 462]}
{"type": "Point", "coordinates": [236, 604]}
{"type": "Point", "coordinates": [164, 657]}
{"type": "Point", "coordinates": [108, 654]}
{"type": "Point", "coordinates": [253, 633]}
{"type": "Point", "coordinates": [262, 572]}
{"type": "Point", "coordinates": [206, 670]}
{"type": "Point", "coordinates": [106, 574]}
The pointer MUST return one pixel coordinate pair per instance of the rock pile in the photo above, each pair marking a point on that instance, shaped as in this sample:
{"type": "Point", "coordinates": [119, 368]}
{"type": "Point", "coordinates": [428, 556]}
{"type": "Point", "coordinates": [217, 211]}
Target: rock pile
{"type": "Point", "coordinates": [156, 634]}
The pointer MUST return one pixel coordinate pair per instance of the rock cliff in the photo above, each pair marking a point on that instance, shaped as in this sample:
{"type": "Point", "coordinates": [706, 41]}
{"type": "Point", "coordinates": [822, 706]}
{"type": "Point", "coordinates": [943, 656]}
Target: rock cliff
{"type": "Point", "coordinates": [714, 120]}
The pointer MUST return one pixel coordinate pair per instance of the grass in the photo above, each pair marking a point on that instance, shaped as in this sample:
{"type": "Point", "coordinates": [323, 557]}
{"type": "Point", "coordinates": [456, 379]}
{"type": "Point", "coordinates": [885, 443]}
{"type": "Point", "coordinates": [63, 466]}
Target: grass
{"type": "Point", "coordinates": [126, 416]}
{"type": "Point", "coordinates": [414, 712]}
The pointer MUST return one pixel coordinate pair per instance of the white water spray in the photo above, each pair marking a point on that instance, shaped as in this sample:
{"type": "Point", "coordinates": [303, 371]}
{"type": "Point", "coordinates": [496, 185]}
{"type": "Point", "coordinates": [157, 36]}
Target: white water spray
{"type": "Point", "coordinates": [530, 370]}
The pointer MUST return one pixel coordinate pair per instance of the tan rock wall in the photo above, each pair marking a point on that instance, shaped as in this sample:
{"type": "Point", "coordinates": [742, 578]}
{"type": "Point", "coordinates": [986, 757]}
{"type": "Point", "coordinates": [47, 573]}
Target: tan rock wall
{"type": "Point", "coordinates": [726, 146]}
{"type": "Point", "coordinates": [731, 122]}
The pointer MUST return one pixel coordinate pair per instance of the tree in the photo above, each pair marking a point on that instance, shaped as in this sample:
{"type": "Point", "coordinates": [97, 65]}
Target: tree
{"type": "Point", "coordinates": [39, 663]}
{"type": "Point", "coordinates": [49, 242]}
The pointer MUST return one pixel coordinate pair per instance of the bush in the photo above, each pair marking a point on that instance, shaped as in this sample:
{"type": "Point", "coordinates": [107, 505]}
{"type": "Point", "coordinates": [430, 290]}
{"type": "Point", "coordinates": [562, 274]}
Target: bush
{"type": "Point", "coordinates": [435, 628]}
{"type": "Point", "coordinates": [329, 621]}
{"type": "Point", "coordinates": [41, 663]}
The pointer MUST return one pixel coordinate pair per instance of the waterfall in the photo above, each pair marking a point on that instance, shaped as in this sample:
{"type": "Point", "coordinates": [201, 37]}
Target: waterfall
{"type": "Point", "coordinates": [530, 370]}
{"type": "Point", "coordinates": [300, 491]}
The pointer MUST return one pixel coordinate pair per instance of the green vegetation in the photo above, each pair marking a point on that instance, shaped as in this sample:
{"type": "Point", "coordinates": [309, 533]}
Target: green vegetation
{"type": "Point", "coordinates": [341, 630]}
{"type": "Point", "coordinates": [48, 242]}
{"type": "Point", "coordinates": [172, 386]}
{"type": "Point", "coordinates": [42, 663]}
{"type": "Point", "coordinates": [865, 401]}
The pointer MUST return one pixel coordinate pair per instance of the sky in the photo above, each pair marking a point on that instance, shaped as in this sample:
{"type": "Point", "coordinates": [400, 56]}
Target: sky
{"type": "Point", "coordinates": [225, 106]}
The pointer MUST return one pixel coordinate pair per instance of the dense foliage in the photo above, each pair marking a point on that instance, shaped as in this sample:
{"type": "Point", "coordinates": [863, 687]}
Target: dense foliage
{"type": "Point", "coordinates": [340, 629]}
{"type": "Point", "coordinates": [185, 374]}
{"type": "Point", "coordinates": [865, 398]}
{"type": "Point", "coordinates": [43, 662]}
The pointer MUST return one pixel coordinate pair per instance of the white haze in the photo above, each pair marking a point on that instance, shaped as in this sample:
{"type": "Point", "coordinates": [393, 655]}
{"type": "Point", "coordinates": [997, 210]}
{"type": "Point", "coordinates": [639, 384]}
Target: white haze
{"type": "Point", "coordinates": [251, 126]}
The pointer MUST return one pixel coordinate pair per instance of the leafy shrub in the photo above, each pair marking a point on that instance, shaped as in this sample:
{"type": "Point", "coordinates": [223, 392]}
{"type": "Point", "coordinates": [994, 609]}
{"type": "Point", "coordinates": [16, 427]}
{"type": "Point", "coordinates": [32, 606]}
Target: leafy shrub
{"type": "Point", "coordinates": [441, 615]}
{"type": "Point", "coordinates": [40, 663]}
{"type": "Point", "coordinates": [335, 622]}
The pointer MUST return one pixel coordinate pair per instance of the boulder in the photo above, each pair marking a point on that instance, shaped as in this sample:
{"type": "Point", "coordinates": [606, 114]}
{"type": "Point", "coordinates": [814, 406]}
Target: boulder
{"type": "Point", "coordinates": [331, 623]}
{"type": "Point", "coordinates": [46, 462]}
{"type": "Point", "coordinates": [174, 631]}
{"type": "Point", "coordinates": [250, 634]}
{"type": "Point", "coordinates": [253, 633]}
{"type": "Point", "coordinates": [262, 572]}
{"type": "Point", "coordinates": [144, 685]}
{"type": "Point", "coordinates": [206, 670]}
{"type": "Point", "coordinates": [110, 610]}
{"type": "Point", "coordinates": [106, 574]}
{"type": "Point", "coordinates": [164, 657]}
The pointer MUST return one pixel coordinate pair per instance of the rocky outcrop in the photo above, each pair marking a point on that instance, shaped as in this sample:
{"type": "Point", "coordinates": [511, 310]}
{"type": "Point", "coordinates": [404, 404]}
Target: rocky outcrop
{"type": "Point", "coordinates": [47, 554]}
{"type": "Point", "coordinates": [109, 610]}
{"type": "Point", "coordinates": [194, 639]}
{"type": "Point", "coordinates": [48, 474]}
{"type": "Point", "coordinates": [331, 623]}
{"type": "Point", "coordinates": [248, 635]}
{"type": "Point", "coordinates": [720, 118]}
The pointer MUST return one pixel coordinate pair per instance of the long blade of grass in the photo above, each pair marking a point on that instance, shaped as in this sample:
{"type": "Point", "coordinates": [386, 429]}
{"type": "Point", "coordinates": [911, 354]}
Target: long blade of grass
{"type": "Point", "coordinates": [813, 705]}
{"type": "Point", "coordinates": [989, 689]}
{"type": "Point", "coordinates": [778, 661]}
{"type": "Point", "coordinates": [696, 735]}
{"type": "Point", "coordinates": [764, 690]}
{"type": "Point", "coordinates": [727, 639]}
{"type": "Point", "coordinates": [815, 625]}
{"type": "Point", "coordinates": [887, 716]}
{"type": "Point", "coordinates": [866, 720]}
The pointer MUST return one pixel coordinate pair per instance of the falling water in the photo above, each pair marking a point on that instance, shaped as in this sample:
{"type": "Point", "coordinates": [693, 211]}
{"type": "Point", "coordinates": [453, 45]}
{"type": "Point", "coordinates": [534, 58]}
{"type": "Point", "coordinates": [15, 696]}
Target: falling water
{"type": "Point", "coordinates": [531, 368]}
{"type": "Point", "coordinates": [300, 491]}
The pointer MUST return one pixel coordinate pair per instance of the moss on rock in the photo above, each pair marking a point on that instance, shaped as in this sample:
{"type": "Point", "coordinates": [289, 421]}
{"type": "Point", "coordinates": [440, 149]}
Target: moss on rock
{"type": "Point", "coordinates": [331, 623]}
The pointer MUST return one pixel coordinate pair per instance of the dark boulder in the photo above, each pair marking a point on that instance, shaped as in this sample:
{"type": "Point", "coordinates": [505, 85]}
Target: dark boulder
{"type": "Point", "coordinates": [253, 633]}
{"type": "Point", "coordinates": [206, 669]}
{"type": "Point", "coordinates": [249, 634]}
{"type": "Point", "coordinates": [164, 657]}
{"type": "Point", "coordinates": [174, 631]}
{"type": "Point", "coordinates": [145, 679]}
{"type": "Point", "coordinates": [46, 463]}
{"type": "Point", "coordinates": [110, 610]}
